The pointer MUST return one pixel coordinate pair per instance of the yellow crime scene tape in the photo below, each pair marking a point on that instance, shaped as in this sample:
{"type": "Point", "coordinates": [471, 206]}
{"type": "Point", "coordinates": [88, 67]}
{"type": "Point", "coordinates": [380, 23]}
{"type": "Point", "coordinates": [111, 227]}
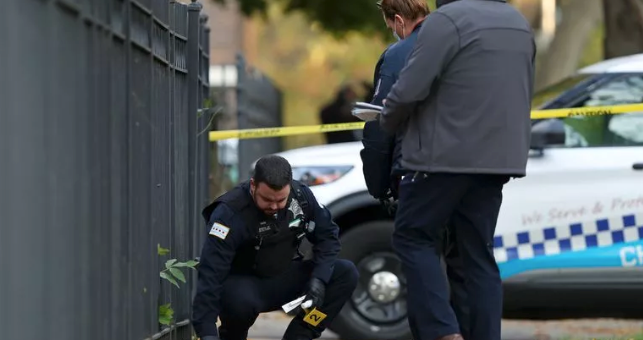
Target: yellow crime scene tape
{"type": "Point", "coordinates": [309, 129]}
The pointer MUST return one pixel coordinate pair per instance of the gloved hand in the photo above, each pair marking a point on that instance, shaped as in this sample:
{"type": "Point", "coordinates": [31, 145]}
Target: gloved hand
{"type": "Point", "coordinates": [315, 294]}
{"type": "Point", "coordinates": [392, 208]}
{"type": "Point", "coordinates": [210, 337]}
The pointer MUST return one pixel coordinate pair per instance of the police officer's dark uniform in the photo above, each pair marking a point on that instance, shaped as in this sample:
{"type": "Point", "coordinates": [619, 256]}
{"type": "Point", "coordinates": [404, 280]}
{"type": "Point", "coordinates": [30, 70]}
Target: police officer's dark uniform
{"type": "Point", "coordinates": [247, 267]}
{"type": "Point", "coordinates": [381, 157]}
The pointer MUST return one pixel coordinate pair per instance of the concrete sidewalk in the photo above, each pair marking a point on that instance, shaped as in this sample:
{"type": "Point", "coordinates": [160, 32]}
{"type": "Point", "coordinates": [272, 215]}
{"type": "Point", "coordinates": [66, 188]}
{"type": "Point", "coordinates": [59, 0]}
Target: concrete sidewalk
{"type": "Point", "coordinates": [272, 325]}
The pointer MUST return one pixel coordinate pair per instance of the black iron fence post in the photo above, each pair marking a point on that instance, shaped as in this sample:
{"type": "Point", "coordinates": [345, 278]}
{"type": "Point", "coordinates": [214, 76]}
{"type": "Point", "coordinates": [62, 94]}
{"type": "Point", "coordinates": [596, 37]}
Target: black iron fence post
{"type": "Point", "coordinates": [202, 138]}
{"type": "Point", "coordinates": [244, 156]}
{"type": "Point", "coordinates": [193, 61]}
{"type": "Point", "coordinates": [100, 162]}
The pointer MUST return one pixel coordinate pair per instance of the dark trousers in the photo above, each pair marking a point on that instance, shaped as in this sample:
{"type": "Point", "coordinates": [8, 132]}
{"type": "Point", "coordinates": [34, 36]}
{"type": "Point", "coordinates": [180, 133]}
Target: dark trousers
{"type": "Point", "coordinates": [244, 297]}
{"type": "Point", "coordinates": [453, 261]}
{"type": "Point", "coordinates": [469, 204]}
{"type": "Point", "coordinates": [457, 282]}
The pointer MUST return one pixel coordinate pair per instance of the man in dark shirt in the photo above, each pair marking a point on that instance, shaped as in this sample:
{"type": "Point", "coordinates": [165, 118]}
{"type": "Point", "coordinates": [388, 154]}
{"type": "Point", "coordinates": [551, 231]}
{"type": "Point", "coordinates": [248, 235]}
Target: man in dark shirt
{"type": "Point", "coordinates": [250, 264]}
{"type": "Point", "coordinates": [339, 111]}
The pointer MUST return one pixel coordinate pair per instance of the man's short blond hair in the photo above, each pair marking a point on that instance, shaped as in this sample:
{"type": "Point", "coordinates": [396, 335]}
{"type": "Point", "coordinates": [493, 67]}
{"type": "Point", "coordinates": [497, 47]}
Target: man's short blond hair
{"type": "Point", "coordinates": [408, 9]}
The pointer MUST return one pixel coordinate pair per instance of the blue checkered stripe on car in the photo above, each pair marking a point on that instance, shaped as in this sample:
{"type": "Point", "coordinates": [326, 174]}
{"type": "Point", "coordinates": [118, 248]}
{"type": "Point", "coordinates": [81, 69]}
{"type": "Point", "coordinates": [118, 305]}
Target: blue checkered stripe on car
{"type": "Point", "coordinates": [569, 237]}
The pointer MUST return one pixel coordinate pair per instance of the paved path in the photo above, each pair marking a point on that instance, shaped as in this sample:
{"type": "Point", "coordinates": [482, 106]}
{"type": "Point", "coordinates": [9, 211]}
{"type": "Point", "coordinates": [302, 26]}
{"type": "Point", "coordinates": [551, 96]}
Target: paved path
{"type": "Point", "coordinates": [271, 327]}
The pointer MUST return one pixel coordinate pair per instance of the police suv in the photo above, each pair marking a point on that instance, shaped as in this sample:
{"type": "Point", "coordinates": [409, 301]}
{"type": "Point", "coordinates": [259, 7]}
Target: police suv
{"type": "Point", "coordinates": [569, 239]}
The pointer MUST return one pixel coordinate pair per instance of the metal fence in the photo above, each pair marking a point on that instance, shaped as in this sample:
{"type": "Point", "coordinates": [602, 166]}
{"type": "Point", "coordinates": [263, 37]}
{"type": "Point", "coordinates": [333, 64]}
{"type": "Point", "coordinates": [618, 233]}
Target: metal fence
{"type": "Point", "coordinates": [259, 106]}
{"type": "Point", "coordinates": [251, 100]}
{"type": "Point", "coordinates": [103, 156]}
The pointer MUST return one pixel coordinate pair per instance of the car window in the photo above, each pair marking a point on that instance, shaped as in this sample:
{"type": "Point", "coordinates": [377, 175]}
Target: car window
{"type": "Point", "coordinates": [616, 130]}
{"type": "Point", "coordinates": [544, 96]}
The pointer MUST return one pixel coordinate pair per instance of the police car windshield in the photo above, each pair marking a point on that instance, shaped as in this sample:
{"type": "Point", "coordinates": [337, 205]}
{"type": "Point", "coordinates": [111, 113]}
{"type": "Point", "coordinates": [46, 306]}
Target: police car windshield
{"type": "Point", "coordinates": [551, 92]}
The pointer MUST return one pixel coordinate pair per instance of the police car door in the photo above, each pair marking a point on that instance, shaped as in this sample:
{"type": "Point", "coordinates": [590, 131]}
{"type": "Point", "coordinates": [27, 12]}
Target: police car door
{"type": "Point", "coordinates": [581, 204]}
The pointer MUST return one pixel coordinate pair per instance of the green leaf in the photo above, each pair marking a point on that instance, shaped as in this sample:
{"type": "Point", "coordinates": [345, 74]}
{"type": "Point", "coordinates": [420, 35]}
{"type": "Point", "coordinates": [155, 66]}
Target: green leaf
{"type": "Point", "coordinates": [178, 274]}
{"type": "Point", "coordinates": [162, 251]}
{"type": "Point", "coordinates": [164, 320]}
{"type": "Point", "coordinates": [166, 313]}
{"type": "Point", "coordinates": [189, 264]}
{"type": "Point", "coordinates": [169, 263]}
{"type": "Point", "coordinates": [169, 278]}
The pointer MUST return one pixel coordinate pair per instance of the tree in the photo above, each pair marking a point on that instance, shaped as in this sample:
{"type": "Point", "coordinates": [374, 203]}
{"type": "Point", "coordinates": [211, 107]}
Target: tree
{"type": "Point", "coordinates": [530, 9]}
{"type": "Point", "coordinates": [623, 27]}
{"type": "Point", "coordinates": [623, 35]}
{"type": "Point", "coordinates": [340, 16]}
{"type": "Point", "coordinates": [309, 65]}
{"type": "Point", "coordinates": [337, 17]}
{"type": "Point", "coordinates": [563, 55]}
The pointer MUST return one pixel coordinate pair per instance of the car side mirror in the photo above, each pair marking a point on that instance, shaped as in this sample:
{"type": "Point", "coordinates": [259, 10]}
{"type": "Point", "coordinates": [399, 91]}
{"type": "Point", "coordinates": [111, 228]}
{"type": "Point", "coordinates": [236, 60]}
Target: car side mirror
{"type": "Point", "coordinates": [546, 133]}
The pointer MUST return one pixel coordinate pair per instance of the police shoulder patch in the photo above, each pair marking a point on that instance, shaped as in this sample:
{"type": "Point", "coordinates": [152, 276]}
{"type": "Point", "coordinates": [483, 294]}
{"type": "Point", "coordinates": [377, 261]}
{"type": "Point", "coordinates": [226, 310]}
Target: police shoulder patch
{"type": "Point", "coordinates": [295, 208]}
{"type": "Point", "coordinates": [219, 230]}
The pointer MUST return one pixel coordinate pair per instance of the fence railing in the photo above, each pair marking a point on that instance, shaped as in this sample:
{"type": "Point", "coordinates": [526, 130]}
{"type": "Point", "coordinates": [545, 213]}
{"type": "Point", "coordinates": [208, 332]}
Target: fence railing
{"type": "Point", "coordinates": [103, 157]}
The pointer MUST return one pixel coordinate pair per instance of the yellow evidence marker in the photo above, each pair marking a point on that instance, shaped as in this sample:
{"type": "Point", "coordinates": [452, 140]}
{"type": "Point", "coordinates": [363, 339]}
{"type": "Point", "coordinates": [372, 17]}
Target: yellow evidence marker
{"type": "Point", "coordinates": [314, 317]}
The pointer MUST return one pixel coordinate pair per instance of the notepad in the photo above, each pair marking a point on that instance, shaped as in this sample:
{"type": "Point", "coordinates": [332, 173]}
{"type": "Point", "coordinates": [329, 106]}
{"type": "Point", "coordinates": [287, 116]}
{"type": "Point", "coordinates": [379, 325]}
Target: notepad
{"type": "Point", "coordinates": [365, 111]}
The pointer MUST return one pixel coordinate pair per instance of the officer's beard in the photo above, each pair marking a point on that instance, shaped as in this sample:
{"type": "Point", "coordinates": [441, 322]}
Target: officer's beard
{"type": "Point", "coordinates": [271, 213]}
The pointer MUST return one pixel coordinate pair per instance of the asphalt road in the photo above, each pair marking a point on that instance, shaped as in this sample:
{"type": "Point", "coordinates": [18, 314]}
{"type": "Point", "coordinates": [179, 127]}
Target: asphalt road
{"type": "Point", "coordinates": [272, 325]}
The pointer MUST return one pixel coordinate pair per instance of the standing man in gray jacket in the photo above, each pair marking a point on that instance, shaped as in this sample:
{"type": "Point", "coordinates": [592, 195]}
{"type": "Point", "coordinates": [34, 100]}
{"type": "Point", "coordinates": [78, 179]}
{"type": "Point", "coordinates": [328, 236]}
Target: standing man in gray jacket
{"type": "Point", "coordinates": [463, 101]}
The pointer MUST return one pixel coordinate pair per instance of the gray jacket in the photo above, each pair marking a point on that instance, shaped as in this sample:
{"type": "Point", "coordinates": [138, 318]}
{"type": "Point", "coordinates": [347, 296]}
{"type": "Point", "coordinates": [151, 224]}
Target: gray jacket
{"type": "Point", "coordinates": [464, 97]}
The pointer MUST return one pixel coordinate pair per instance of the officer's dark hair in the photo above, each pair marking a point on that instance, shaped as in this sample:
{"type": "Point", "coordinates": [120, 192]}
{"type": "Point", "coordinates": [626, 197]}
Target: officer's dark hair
{"type": "Point", "coordinates": [274, 171]}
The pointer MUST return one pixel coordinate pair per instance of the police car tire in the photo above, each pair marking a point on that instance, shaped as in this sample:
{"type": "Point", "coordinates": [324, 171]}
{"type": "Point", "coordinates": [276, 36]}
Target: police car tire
{"type": "Point", "coordinates": [357, 243]}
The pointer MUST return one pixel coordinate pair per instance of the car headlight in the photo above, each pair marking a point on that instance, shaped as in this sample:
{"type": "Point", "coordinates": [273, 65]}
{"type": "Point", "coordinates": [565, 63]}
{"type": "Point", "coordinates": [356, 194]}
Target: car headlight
{"type": "Point", "coordinates": [316, 175]}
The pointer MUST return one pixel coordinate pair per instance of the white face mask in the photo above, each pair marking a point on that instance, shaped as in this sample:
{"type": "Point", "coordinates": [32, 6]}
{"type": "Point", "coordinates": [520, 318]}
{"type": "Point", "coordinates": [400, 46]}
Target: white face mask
{"type": "Point", "coordinates": [395, 33]}
{"type": "Point", "coordinates": [397, 37]}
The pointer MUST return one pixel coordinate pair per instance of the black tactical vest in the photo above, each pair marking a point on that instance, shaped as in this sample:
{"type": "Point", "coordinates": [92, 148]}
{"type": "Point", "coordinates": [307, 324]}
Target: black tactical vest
{"type": "Point", "coordinates": [275, 241]}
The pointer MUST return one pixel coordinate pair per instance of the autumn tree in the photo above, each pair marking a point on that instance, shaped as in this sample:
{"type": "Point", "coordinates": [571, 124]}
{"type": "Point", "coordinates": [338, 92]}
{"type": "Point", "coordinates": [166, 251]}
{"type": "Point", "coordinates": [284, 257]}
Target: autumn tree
{"type": "Point", "coordinates": [337, 17]}
{"type": "Point", "coordinates": [623, 27]}
{"type": "Point", "coordinates": [620, 23]}
{"type": "Point", "coordinates": [562, 56]}
{"type": "Point", "coordinates": [337, 40]}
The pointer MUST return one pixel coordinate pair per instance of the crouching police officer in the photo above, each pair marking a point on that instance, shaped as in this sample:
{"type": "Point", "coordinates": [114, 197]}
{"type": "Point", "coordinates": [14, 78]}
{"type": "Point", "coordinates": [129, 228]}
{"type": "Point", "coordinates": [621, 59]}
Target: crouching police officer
{"type": "Point", "coordinates": [250, 262]}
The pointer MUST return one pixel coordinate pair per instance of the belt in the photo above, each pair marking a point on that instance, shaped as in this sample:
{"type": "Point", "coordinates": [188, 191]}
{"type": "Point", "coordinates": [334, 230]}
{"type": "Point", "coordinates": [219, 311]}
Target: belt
{"type": "Point", "coordinates": [415, 175]}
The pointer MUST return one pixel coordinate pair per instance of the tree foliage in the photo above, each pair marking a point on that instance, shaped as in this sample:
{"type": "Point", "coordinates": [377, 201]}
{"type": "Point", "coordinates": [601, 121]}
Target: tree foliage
{"type": "Point", "coordinates": [172, 272]}
{"type": "Point", "coordinates": [309, 65]}
{"type": "Point", "coordinates": [623, 27]}
{"type": "Point", "coordinates": [338, 17]}
{"type": "Point", "coordinates": [334, 16]}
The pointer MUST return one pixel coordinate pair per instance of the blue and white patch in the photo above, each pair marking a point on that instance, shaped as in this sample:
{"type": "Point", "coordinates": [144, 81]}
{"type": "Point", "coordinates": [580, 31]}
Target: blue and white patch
{"type": "Point", "coordinates": [587, 244]}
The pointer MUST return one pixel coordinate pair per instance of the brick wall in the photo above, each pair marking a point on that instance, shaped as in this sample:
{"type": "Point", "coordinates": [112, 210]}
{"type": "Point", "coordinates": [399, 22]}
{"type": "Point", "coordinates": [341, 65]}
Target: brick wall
{"type": "Point", "coordinates": [227, 31]}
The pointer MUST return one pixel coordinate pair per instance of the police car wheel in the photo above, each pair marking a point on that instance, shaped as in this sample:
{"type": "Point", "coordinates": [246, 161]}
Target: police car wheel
{"type": "Point", "coordinates": [377, 309]}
